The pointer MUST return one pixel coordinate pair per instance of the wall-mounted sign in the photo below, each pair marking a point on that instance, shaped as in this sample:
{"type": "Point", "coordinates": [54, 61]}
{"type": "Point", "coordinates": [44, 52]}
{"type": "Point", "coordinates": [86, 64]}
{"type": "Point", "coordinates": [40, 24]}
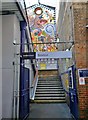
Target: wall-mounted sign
{"type": "Point", "coordinates": [40, 55]}
{"type": "Point", "coordinates": [29, 55]}
{"type": "Point", "coordinates": [83, 73]}
{"type": "Point", "coordinates": [42, 66]}
{"type": "Point", "coordinates": [81, 81]}
{"type": "Point", "coordinates": [49, 63]}
{"type": "Point", "coordinates": [51, 66]}
{"type": "Point", "coordinates": [60, 54]}
{"type": "Point", "coordinates": [47, 66]}
{"type": "Point", "coordinates": [70, 77]}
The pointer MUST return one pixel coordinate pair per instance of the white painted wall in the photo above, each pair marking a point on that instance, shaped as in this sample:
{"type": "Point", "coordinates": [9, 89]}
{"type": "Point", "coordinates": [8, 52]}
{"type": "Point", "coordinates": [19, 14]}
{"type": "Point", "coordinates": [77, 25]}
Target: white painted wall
{"type": "Point", "coordinates": [10, 31]}
{"type": "Point", "coordinates": [0, 67]}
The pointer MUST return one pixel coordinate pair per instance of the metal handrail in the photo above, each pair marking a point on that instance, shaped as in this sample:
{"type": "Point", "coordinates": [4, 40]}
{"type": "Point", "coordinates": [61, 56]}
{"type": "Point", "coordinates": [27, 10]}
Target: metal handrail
{"type": "Point", "coordinates": [64, 73]}
{"type": "Point", "coordinates": [44, 43]}
{"type": "Point", "coordinates": [34, 84]}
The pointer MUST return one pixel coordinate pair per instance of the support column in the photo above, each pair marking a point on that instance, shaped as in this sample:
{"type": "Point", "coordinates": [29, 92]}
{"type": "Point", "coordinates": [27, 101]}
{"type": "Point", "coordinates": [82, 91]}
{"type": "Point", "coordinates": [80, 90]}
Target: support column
{"type": "Point", "coordinates": [22, 48]}
{"type": "Point", "coordinates": [23, 37]}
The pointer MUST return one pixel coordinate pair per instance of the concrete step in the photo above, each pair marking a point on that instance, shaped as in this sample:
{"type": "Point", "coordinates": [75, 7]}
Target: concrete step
{"type": "Point", "coordinates": [50, 95]}
{"type": "Point", "coordinates": [50, 98]}
{"type": "Point", "coordinates": [49, 101]}
{"type": "Point", "coordinates": [49, 87]}
{"type": "Point", "coordinates": [49, 83]}
{"type": "Point", "coordinates": [49, 80]}
{"type": "Point", "coordinates": [49, 92]}
{"type": "Point", "coordinates": [42, 90]}
{"type": "Point", "coordinates": [52, 85]}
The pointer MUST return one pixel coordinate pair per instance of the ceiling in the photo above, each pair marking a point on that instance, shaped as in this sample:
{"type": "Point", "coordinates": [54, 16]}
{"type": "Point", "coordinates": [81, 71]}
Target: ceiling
{"type": "Point", "coordinates": [13, 8]}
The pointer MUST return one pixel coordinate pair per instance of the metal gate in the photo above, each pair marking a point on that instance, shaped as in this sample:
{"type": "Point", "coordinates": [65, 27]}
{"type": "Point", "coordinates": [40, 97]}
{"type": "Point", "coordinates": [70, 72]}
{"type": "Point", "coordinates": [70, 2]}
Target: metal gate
{"type": "Point", "coordinates": [24, 92]}
{"type": "Point", "coordinates": [73, 92]}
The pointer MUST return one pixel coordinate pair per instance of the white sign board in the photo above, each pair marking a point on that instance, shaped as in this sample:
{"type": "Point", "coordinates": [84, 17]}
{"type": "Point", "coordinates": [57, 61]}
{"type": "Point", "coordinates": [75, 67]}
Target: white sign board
{"type": "Point", "coordinates": [59, 54]}
{"type": "Point", "coordinates": [51, 66]}
{"type": "Point", "coordinates": [81, 81]}
{"type": "Point", "coordinates": [47, 66]}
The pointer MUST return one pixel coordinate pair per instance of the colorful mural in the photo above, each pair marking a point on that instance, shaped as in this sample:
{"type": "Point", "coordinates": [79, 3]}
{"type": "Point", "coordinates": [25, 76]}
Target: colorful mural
{"type": "Point", "coordinates": [43, 27]}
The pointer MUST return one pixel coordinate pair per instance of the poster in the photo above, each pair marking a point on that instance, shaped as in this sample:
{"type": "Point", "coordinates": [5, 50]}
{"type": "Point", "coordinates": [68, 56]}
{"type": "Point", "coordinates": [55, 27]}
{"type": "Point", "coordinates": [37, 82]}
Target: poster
{"type": "Point", "coordinates": [81, 81]}
{"type": "Point", "coordinates": [42, 66]}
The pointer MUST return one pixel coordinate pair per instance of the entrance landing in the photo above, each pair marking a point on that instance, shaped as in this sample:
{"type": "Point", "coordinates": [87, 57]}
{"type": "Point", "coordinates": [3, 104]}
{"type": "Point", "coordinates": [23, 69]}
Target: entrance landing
{"type": "Point", "coordinates": [60, 110]}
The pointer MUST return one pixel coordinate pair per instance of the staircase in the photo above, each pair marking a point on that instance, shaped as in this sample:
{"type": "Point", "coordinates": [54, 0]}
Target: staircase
{"type": "Point", "coordinates": [49, 90]}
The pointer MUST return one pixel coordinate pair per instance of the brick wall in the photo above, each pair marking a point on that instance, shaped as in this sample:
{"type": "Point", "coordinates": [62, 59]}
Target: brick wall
{"type": "Point", "coordinates": [81, 53]}
{"type": "Point", "coordinates": [47, 73]}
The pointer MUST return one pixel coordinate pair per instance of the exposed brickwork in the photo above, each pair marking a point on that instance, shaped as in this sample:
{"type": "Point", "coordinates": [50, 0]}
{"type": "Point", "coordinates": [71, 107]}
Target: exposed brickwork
{"type": "Point", "coordinates": [81, 53]}
{"type": "Point", "coordinates": [47, 73]}
{"type": "Point", "coordinates": [73, 18]}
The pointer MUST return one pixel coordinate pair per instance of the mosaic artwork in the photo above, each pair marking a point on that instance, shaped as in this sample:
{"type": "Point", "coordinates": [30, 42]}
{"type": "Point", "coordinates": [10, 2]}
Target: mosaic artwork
{"type": "Point", "coordinates": [43, 27]}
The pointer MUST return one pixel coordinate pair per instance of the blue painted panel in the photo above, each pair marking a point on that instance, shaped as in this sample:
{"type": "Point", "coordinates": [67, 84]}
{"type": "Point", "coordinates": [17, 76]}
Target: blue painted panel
{"type": "Point", "coordinates": [83, 73]}
{"type": "Point", "coordinates": [73, 92]}
{"type": "Point", "coordinates": [24, 93]}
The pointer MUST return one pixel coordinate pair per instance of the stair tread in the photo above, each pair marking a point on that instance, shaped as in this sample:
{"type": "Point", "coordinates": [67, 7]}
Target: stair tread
{"type": "Point", "coordinates": [49, 89]}
{"type": "Point", "coordinates": [49, 85]}
{"type": "Point", "coordinates": [48, 95]}
{"type": "Point", "coordinates": [58, 98]}
{"type": "Point", "coordinates": [49, 101]}
{"type": "Point", "coordinates": [49, 80]}
{"type": "Point", "coordinates": [46, 81]}
{"type": "Point", "coordinates": [49, 92]}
